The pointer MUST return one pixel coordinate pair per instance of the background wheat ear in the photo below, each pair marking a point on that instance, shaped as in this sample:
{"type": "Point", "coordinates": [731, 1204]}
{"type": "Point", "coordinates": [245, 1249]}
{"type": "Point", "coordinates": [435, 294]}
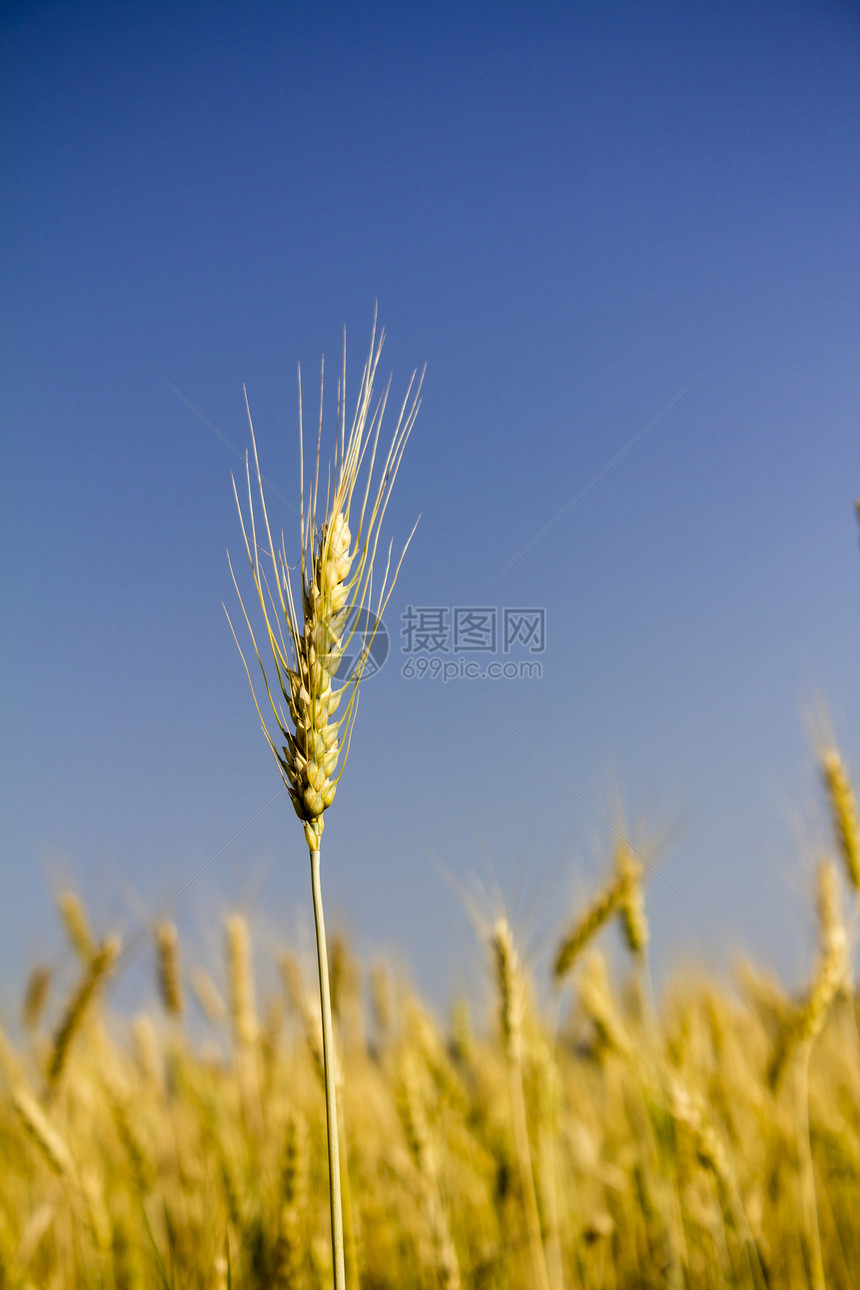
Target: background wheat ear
{"type": "Point", "coordinates": [313, 709]}
{"type": "Point", "coordinates": [843, 809]}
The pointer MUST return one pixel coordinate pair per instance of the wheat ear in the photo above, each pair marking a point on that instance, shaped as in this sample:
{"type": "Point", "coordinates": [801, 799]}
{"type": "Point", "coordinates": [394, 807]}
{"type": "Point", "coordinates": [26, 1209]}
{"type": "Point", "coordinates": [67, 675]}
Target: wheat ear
{"type": "Point", "coordinates": [35, 997]}
{"type": "Point", "coordinates": [620, 893]}
{"type": "Point", "coordinates": [339, 536]}
{"type": "Point", "coordinates": [800, 1030]}
{"type": "Point", "coordinates": [336, 576]}
{"type": "Point", "coordinates": [634, 923]}
{"type": "Point", "coordinates": [96, 971]}
{"type": "Point", "coordinates": [843, 808]}
{"type": "Point", "coordinates": [169, 974]}
{"type": "Point", "coordinates": [77, 926]}
{"type": "Point", "coordinates": [42, 1132]}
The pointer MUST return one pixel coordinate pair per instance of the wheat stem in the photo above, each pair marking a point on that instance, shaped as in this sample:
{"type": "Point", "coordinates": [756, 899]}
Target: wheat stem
{"type": "Point", "coordinates": [330, 1085]}
{"type": "Point", "coordinates": [512, 1008]}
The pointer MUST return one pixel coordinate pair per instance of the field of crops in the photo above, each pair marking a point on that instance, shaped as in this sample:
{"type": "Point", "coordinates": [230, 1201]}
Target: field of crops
{"type": "Point", "coordinates": [711, 1142]}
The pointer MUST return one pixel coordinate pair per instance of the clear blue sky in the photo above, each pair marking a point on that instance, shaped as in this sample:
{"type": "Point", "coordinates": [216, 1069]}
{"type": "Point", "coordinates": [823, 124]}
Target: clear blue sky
{"type": "Point", "coordinates": [569, 212]}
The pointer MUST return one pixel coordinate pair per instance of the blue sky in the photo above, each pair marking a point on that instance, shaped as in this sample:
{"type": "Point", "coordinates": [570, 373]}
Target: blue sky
{"type": "Point", "coordinates": [570, 212]}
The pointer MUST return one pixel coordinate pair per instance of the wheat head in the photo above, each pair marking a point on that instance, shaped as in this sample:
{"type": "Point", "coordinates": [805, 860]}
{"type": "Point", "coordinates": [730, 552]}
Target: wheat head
{"type": "Point", "coordinates": [843, 808]}
{"type": "Point", "coordinates": [339, 536]}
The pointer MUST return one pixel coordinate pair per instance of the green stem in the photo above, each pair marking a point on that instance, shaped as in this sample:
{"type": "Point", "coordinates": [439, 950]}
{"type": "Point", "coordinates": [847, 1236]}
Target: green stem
{"type": "Point", "coordinates": [330, 1090]}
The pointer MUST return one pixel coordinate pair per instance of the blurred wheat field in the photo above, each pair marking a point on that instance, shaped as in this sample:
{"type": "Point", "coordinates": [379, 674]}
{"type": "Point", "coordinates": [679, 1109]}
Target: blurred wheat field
{"type": "Point", "coordinates": [713, 1144]}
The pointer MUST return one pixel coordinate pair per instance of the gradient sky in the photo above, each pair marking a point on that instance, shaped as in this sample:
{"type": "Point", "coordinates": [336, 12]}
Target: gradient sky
{"type": "Point", "coordinates": [570, 212]}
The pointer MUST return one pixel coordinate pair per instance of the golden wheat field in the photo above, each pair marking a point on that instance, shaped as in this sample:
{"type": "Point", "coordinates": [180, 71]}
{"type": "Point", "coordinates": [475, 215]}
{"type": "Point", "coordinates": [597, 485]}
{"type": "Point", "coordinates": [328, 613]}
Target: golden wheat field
{"type": "Point", "coordinates": [711, 1142]}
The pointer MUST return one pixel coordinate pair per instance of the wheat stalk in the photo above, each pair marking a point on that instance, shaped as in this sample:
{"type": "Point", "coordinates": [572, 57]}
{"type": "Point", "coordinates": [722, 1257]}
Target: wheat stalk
{"type": "Point", "coordinates": [339, 535]}
{"type": "Point", "coordinates": [512, 1003]}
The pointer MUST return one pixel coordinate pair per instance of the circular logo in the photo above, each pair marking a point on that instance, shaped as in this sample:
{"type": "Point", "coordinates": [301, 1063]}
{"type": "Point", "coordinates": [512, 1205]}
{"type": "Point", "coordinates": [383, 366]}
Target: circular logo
{"type": "Point", "coordinates": [366, 646]}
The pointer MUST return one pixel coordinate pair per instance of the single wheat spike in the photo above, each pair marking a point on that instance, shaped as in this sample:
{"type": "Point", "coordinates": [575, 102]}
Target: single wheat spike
{"type": "Point", "coordinates": [169, 975]}
{"type": "Point", "coordinates": [35, 997]}
{"type": "Point", "coordinates": [147, 1054]}
{"type": "Point", "coordinates": [42, 1132]}
{"type": "Point", "coordinates": [843, 808]}
{"type": "Point", "coordinates": [77, 926]}
{"type": "Point", "coordinates": [511, 989]}
{"type": "Point", "coordinates": [804, 1024]}
{"type": "Point", "coordinates": [290, 1249]}
{"type": "Point", "coordinates": [270, 1037]}
{"type": "Point", "coordinates": [208, 996]}
{"type": "Point", "coordinates": [240, 981]}
{"type": "Point", "coordinates": [596, 998]}
{"type": "Point", "coordinates": [618, 894]}
{"type": "Point", "coordinates": [345, 976]}
{"type": "Point", "coordinates": [336, 568]}
{"type": "Point", "coordinates": [98, 968]}
{"type": "Point", "coordinates": [690, 1113]}
{"type": "Point", "coordinates": [631, 913]}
